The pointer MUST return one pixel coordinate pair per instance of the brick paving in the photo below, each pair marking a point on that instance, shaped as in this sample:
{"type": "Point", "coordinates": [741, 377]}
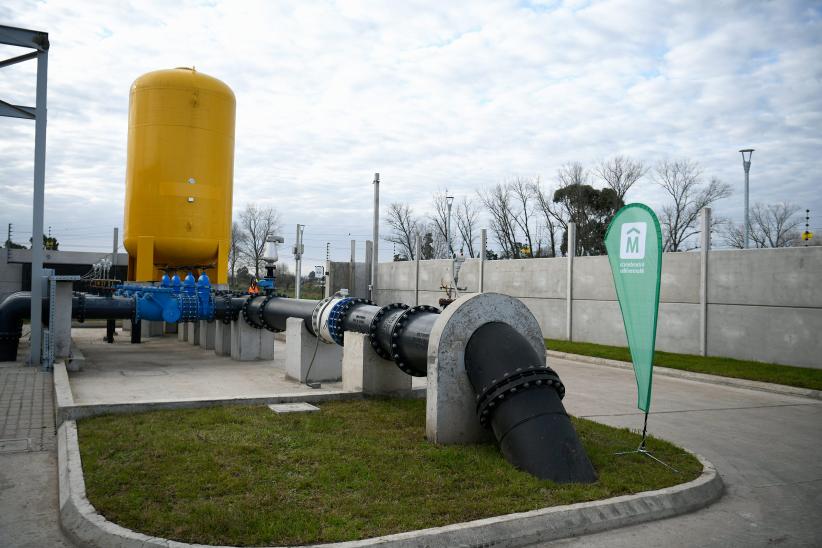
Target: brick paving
{"type": "Point", "coordinates": [26, 409]}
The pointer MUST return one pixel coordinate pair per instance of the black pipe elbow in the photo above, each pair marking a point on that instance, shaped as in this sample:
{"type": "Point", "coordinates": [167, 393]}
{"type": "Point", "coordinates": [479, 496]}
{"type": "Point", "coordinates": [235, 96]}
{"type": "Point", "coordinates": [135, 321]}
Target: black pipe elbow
{"type": "Point", "coordinates": [13, 310]}
{"type": "Point", "coordinates": [520, 399]}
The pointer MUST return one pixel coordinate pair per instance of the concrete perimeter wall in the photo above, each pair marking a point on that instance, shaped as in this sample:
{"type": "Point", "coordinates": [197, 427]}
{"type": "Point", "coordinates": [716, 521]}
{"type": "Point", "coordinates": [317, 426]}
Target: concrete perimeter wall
{"type": "Point", "coordinates": [762, 304]}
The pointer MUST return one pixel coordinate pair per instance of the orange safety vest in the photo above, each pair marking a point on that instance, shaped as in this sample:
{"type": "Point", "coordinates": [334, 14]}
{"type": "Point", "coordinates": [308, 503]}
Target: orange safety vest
{"type": "Point", "coordinates": [254, 289]}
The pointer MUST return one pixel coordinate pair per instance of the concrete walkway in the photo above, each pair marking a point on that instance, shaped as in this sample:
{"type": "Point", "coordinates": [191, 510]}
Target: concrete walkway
{"type": "Point", "coordinates": [767, 447]}
{"type": "Point", "coordinates": [28, 463]}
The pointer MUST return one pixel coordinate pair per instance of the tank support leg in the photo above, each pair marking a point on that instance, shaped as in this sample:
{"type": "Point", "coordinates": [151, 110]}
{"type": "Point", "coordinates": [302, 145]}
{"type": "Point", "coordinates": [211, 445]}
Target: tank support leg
{"type": "Point", "coordinates": [145, 259]}
{"type": "Point", "coordinates": [135, 332]}
{"type": "Point", "coordinates": [110, 331]}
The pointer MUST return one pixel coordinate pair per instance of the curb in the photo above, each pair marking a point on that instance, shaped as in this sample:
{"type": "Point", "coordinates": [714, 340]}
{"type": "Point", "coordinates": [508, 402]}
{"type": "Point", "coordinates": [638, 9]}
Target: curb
{"type": "Point", "coordinates": [699, 377]}
{"type": "Point", "coordinates": [81, 522]}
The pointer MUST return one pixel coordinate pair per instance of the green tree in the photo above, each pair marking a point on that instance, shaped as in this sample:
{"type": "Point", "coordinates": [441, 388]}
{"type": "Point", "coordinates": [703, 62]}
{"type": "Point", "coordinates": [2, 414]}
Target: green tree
{"type": "Point", "coordinates": [591, 210]}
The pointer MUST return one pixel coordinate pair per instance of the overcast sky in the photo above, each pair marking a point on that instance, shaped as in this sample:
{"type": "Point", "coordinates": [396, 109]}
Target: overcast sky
{"type": "Point", "coordinates": [430, 94]}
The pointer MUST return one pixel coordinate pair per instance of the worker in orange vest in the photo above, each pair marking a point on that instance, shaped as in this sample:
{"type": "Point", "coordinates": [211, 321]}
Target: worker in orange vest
{"type": "Point", "coordinates": [253, 289]}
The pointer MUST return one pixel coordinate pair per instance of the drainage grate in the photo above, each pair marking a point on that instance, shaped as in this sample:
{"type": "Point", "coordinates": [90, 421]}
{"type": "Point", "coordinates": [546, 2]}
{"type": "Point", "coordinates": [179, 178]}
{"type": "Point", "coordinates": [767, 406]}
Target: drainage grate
{"type": "Point", "coordinates": [19, 445]}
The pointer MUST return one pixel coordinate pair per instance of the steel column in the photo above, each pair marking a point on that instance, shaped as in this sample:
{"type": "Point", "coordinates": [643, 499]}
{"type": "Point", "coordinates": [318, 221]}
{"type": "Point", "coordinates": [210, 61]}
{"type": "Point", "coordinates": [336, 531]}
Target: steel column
{"type": "Point", "coordinates": [37, 210]}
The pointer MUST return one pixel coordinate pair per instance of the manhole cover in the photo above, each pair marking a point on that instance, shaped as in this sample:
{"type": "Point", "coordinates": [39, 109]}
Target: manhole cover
{"type": "Point", "coordinates": [148, 373]}
{"type": "Point", "coordinates": [300, 407]}
{"type": "Point", "coordinates": [15, 445]}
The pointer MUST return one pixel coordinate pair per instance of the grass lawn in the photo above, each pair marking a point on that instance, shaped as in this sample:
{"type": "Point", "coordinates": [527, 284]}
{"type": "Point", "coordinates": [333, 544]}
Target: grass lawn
{"type": "Point", "coordinates": [803, 377]}
{"type": "Point", "coordinates": [359, 469]}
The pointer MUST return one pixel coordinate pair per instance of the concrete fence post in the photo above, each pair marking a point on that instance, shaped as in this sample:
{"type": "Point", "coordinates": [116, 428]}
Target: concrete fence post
{"type": "Point", "coordinates": [704, 248]}
{"type": "Point", "coordinates": [569, 286]}
{"type": "Point", "coordinates": [352, 270]}
{"type": "Point", "coordinates": [483, 245]}
{"type": "Point", "coordinates": [417, 250]}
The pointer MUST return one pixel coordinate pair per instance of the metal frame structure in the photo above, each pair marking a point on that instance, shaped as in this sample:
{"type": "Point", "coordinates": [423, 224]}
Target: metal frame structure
{"type": "Point", "coordinates": [39, 42]}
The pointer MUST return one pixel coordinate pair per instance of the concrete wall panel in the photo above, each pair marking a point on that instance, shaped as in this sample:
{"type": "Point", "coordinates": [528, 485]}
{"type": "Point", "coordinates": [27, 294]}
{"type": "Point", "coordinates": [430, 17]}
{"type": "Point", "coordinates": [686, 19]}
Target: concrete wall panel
{"type": "Point", "coordinates": [536, 278]}
{"type": "Point", "coordinates": [766, 277]}
{"type": "Point", "coordinates": [764, 333]}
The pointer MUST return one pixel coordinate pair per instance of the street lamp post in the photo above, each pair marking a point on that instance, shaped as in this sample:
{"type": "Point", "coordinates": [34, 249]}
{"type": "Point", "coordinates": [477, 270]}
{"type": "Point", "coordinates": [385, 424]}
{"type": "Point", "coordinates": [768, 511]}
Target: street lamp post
{"type": "Point", "coordinates": [746, 164]}
{"type": "Point", "coordinates": [449, 200]}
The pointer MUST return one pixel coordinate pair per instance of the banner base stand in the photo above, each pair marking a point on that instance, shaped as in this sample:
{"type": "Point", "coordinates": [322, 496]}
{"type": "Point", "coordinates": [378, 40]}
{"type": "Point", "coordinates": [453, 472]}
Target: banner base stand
{"type": "Point", "coordinates": [643, 450]}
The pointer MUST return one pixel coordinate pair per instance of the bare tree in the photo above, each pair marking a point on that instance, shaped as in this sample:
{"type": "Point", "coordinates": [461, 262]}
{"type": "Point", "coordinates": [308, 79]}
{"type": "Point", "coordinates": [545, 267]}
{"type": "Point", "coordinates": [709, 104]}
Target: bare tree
{"type": "Point", "coordinates": [620, 173]}
{"type": "Point", "coordinates": [500, 205]}
{"type": "Point", "coordinates": [257, 224]}
{"type": "Point", "coordinates": [235, 250]}
{"type": "Point", "coordinates": [467, 220]}
{"type": "Point", "coordinates": [522, 189]}
{"type": "Point", "coordinates": [554, 221]}
{"type": "Point", "coordinates": [772, 225]}
{"type": "Point", "coordinates": [404, 227]}
{"type": "Point", "coordinates": [683, 181]}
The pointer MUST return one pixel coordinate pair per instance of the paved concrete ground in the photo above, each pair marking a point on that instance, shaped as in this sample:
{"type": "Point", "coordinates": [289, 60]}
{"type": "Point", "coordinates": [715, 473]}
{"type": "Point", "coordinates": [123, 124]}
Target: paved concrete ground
{"type": "Point", "coordinates": [28, 469]}
{"type": "Point", "coordinates": [163, 368]}
{"type": "Point", "coordinates": [766, 447]}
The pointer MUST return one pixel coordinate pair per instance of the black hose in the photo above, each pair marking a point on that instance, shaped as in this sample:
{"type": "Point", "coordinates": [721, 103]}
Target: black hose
{"type": "Point", "coordinates": [519, 398]}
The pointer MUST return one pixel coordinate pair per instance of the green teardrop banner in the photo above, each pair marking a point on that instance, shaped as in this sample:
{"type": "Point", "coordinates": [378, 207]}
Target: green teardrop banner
{"type": "Point", "coordinates": [634, 244]}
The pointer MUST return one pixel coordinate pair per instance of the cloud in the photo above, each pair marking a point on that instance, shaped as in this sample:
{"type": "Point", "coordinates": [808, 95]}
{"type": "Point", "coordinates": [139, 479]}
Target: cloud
{"type": "Point", "coordinates": [431, 95]}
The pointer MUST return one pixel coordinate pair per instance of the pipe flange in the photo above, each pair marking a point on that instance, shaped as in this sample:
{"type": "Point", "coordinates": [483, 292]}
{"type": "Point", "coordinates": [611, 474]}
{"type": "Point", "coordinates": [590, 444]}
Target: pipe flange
{"type": "Point", "coordinates": [375, 322]}
{"type": "Point", "coordinates": [11, 336]}
{"type": "Point", "coordinates": [337, 315]}
{"type": "Point", "coordinates": [396, 332]}
{"type": "Point", "coordinates": [261, 316]}
{"type": "Point", "coordinates": [517, 381]}
{"type": "Point", "coordinates": [247, 316]}
{"type": "Point", "coordinates": [227, 312]}
{"type": "Point", "coordinates": [317, 313]}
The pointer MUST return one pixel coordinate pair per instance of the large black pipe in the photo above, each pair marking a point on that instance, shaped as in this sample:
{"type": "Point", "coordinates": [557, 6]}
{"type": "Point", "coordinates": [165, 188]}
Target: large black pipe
{"type": "Point", "coordinates": [17, 307]}
{"type": "Point", "coordinates": [519, 397]}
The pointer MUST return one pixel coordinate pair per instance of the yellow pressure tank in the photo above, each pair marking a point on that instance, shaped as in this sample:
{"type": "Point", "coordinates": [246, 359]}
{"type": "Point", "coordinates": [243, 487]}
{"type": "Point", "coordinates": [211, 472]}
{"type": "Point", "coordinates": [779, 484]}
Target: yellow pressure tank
{"type": "Point", "coordinates": [179, 174]}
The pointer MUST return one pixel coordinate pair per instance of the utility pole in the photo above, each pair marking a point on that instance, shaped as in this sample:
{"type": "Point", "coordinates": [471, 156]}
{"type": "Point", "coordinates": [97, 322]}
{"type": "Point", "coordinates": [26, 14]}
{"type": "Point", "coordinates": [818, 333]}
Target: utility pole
{"type": "Point", "coordinates": [449, 200]}
{"type": "Point", "coordinates": [746, 165]}
{"type": "Point", "coordinates": [376, 237]}
{"type": "Point", "coordinates": [298, 255]}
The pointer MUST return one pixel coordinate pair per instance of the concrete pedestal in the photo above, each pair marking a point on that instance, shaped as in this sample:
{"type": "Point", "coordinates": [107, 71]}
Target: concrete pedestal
{"type": "Point", "coordinates": [193, 332]}
{"type": "Point", "coordinates": [154, 329]}
{"type": "Point", "coordinates": [245, 341]}
{"type": "Point", "coordinates": [170, 328]}
{"type": "Point", "coordinates": [207, 332]}
{"type": "Point", "coordinates": [266, 345]}
{"type": "Point", "coordinates": [222, 338]}
{"type": "Point", "coordinates": [450, 414]}
{"type": "Point", "coordinates": [299, 349]}
{"type": "Point", "coordinates": [182, 332]}
{"type": "Point", "coordinates": [364, 371]}
{"type": "Point", "coordinates": [62, 316]}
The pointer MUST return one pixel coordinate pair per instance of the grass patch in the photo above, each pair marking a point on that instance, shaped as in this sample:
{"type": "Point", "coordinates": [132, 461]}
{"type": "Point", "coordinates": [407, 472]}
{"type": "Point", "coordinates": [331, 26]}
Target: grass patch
{"type": "Point", "coordinates": [802, 377]}
{"type": "Point", "coordinates": [246, 476]}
